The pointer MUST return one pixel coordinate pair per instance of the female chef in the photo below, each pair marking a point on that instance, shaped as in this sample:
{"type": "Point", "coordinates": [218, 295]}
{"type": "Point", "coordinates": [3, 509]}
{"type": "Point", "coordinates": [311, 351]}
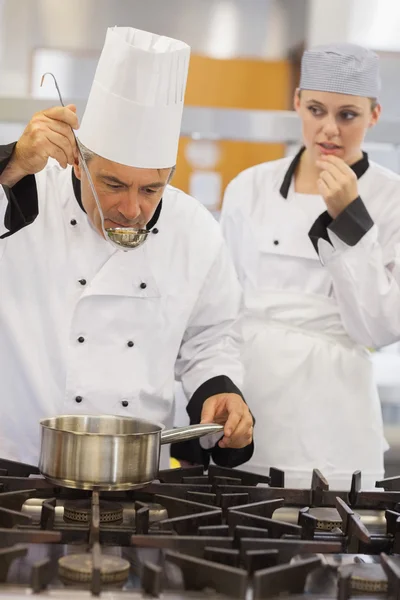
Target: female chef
{"type": "Point", "coordinates": [315, 239]}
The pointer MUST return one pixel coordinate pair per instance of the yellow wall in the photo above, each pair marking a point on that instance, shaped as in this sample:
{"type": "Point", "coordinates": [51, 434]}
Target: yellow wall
{"type": "Point", "coordinates": [239, 83]}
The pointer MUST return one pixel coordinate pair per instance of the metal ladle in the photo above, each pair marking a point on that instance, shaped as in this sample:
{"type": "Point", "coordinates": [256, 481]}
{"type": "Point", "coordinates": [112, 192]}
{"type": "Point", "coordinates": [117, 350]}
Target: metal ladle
{"type": "Point", "coordinates": [126, 238]}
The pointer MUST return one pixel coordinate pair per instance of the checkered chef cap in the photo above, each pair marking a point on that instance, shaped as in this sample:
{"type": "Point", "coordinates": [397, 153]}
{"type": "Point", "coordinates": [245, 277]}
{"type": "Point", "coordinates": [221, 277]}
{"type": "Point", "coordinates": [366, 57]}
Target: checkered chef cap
{"type": "Point", "coordinates": [341, 68]}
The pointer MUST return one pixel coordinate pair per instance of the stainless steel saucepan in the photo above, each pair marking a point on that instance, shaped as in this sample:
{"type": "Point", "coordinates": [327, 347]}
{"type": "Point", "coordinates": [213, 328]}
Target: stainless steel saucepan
{"type": "Point", "coordinates": [106, 452]}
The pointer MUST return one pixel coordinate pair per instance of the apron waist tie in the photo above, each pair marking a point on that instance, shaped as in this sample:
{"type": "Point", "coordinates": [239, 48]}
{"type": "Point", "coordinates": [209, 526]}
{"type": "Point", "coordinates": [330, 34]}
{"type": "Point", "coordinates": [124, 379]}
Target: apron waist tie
{"type": "Point", "coordinates": [339, 337]}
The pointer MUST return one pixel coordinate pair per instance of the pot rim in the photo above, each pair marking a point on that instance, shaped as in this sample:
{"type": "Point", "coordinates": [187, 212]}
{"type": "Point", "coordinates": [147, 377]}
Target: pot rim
{"type": "Point", "coordinates": [45, 425]}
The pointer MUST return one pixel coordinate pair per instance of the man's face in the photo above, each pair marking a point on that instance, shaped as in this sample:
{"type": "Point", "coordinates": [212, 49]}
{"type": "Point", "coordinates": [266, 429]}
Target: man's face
{"type": "Point", "coordinates": [128, 196]}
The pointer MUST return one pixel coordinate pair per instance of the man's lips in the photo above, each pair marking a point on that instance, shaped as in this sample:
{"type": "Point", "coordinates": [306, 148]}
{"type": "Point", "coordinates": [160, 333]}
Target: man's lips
{"type": "Point", "coordinates": [114, 224]}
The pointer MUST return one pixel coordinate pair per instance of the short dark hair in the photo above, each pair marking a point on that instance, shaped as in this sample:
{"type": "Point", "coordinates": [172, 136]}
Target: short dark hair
{"type": "Point", "coordinates": [173, 169]}
{"type": "Point", "coordinates": [89, 154]}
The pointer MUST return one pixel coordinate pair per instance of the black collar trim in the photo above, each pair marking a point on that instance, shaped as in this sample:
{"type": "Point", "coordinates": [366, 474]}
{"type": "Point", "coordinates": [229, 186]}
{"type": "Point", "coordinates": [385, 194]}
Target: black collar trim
{"type": "Point", "coordinates": [359, 168]}
{"type": "Point", "coordinates": [76, 184]}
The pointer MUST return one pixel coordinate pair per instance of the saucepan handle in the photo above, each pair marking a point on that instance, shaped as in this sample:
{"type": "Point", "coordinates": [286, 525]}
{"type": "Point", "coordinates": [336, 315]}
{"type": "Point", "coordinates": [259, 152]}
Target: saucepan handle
{"type": "Point", "coordinates": [181, 434]}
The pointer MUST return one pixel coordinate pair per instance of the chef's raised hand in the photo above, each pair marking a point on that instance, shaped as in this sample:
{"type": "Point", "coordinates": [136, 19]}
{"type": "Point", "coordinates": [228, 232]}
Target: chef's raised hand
{"type": "Point", "coordinates": [231, 411]}
{"type": "Point", "coordinates": [337, 184]}
{"type": "Point", "coordinates": [47, 135]}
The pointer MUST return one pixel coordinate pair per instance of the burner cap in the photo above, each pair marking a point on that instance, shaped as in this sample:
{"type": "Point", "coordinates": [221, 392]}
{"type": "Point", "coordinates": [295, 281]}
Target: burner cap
{"type": "Point", "coordinates": [366, 577]}
{"type": "Point", "coordinates": [79, 511]}
{"type": "Point", "coordinates": [79, 567]}
{"type": "Point", "coordinates": [327, 518]}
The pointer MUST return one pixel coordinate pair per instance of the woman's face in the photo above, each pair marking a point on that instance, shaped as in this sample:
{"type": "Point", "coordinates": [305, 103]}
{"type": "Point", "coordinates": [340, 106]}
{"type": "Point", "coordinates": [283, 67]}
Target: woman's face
{"type": "Point", "coordinates": [334, 123]}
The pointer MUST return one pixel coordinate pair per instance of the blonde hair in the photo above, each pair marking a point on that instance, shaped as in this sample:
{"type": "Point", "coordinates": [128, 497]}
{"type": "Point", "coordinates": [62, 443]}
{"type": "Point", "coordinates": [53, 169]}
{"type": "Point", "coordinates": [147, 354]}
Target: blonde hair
{"type": "Point", "coordinates": [374, 101]}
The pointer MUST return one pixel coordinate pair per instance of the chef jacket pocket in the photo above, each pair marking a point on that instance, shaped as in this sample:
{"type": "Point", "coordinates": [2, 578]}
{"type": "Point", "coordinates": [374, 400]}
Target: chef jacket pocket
{"type": "Point", "coordinates": [284, 232]}
{"type": "Point", "coordinates": [286, 257]}
{"type": "Point", "coordinates": [128, 347]}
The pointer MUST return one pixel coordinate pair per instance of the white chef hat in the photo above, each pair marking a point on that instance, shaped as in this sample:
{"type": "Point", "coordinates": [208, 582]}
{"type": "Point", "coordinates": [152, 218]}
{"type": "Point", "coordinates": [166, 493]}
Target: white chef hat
{"type": "Point", "coordinates": [341, 68]}
{"type": "Point", "coordinates": [134, 111]}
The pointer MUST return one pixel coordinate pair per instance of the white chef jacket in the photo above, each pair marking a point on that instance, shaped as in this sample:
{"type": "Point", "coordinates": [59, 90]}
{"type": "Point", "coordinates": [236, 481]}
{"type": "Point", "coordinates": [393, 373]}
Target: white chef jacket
{"type": "Point", "coordinates": [87, 328]}
{"type": "Point", "coordinates": [310, 317]}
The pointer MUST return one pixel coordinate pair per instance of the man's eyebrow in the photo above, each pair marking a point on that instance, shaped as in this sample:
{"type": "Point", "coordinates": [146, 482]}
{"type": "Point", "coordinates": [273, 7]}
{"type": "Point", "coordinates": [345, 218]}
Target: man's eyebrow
{"type": "Point", "coordinates": [112, 179]}
{"type": "Point", "coordinates": [156, 185]}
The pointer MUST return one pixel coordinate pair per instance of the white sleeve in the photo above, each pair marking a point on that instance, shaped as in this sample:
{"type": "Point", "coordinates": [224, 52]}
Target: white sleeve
{"type": "Point", "coordinates": [366, 286]}
{"type": "Point", "coordinates": [212, 341]}
{"type": "Point", "coordinates": [231, 222]}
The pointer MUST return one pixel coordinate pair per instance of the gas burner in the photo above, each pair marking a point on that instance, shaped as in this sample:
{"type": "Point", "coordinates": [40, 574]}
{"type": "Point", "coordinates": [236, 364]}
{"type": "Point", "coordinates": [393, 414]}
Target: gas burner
{"type": "Point", "coordinates": [156, 512]}
{"type": "Point", "coordinates": [80, 511]}
{"type": "Point", "coordinates": [340, 560]}
{"type": "Point", "coordinates": [78, 568]}
{"type": "Point", "coordinates": [328, 519]}
{"type": "Point", "coordinates": [367, 578]}
{"type": "Point", "coordinates": [225, 530]}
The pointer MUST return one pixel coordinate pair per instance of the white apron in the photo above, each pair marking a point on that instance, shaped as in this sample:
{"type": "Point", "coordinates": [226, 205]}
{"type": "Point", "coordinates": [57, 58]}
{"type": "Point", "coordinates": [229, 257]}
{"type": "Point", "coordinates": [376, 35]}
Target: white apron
{"type": "Point", "coordinates": [301, 411]}
{"type": "Point", "coordinates": [308, 374]}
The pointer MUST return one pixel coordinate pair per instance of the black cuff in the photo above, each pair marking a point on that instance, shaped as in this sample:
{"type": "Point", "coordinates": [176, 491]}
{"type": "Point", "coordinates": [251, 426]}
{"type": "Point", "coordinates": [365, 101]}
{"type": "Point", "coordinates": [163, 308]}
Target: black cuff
{"type": "Point", "coordinates": [350, 226]}
{"type": "Point", "coordinates": [191, 450]}
{"type": "Point", "coordinates": [353, 223]}
{"type": "Point", "coordinates": [5, 155]}
{"type": "Point", "coordinates": [22, 198]}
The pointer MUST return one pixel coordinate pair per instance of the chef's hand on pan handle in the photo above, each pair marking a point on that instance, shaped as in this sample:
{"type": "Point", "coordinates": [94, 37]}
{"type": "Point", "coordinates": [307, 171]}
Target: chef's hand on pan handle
{"type": "Point", "coordinates": [337, 184]}
{"type": "Point", "coordinates": [231, 411]}
{"type": "Point", "coordinates": [47, 135]}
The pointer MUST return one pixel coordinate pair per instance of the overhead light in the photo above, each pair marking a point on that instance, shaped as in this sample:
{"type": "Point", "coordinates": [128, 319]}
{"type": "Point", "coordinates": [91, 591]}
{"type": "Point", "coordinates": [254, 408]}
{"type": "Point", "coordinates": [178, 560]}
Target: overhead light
{"type": "Point", "coordinates": [224, 29]}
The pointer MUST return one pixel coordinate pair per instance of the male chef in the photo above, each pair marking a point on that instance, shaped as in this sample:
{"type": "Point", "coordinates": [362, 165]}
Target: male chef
{"type": "Point", "coordinates": [87, 327]}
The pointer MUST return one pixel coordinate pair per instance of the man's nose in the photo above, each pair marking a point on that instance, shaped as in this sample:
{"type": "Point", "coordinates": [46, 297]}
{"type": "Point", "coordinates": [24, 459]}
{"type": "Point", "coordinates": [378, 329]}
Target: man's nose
{"type": "Point", "coordinates": [130, 206]}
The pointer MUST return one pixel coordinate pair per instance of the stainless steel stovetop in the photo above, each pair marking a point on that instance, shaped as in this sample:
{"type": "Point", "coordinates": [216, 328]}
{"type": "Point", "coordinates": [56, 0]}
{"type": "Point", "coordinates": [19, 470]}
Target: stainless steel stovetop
{"type": "Point", "coordinates": [198, 535]}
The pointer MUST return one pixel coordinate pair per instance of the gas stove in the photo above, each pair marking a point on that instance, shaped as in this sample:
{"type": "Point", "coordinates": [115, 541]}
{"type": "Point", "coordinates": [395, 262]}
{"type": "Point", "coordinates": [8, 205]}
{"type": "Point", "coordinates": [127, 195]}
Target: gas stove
{"type": "Point", "coordinates": [196, 534]}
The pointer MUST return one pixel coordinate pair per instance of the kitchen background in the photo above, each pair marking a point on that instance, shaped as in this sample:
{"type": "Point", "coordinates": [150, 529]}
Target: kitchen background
{"type": "Point", "coordinates": [244, 69]}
